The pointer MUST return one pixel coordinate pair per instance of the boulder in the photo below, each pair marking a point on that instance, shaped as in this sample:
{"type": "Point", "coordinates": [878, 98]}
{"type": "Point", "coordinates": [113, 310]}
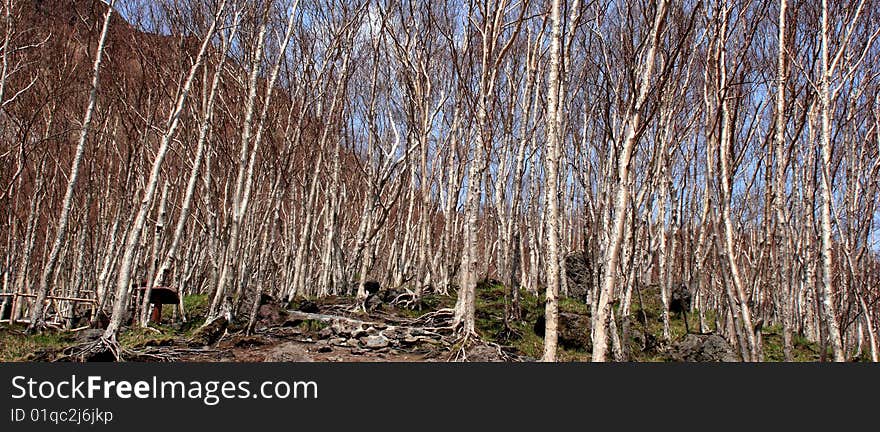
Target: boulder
{"type": "Point", "coordinates": [703, 348]}
{"type": "Point", "coordinates": [680, 298]}
{"type": "Point", "coordinates": [375, 341]}
{"type": "Point", "coordinates": [308, 306]}
{"type": "Point", "coordinates": [373, 302]}
{"type": "Point", "coordinates": [573, 330]}
{"type": "Point", "coordinates": [371, 286]}
{"type": "Point", "coordinates": [577, 275]}
{"type": "Point", "coordinates": [484, 353]}
{"type": "Point", "coordinates": [288, 352]}
{"type": "Point", "coordinates": [270, 315]}
{"type": "Point", "coordinates": [209, 333]}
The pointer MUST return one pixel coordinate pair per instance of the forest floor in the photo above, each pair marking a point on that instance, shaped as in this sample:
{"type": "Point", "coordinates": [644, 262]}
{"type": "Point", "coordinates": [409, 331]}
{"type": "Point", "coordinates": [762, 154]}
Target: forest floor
{"type": "Point", "coordinates": [333, 330]}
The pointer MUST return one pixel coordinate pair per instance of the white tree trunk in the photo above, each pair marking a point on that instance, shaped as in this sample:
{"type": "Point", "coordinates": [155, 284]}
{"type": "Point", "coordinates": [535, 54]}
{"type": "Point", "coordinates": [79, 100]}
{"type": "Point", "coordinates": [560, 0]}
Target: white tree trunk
{"type": "Point", "coordinates": [37, 320]}
{"type": "Point", "coordinates": [551, 160]}
{"type": "Point", "coordinates": [120, 304]}
{"type": "Point", "coordinates": [621, 195]}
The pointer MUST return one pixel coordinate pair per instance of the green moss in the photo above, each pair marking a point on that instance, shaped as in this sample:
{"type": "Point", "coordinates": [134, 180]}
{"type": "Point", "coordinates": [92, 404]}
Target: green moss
{"type": "Point", "coordinates": [490, 308]}
{"type": "Point", "coordinates": [313, 325]}
{"type": "Point", "coordinates": [140, 337]}
{"type": "Point", "coordinates": [572, 305]}
{"type": "Point", "coordinates": [196, 306]}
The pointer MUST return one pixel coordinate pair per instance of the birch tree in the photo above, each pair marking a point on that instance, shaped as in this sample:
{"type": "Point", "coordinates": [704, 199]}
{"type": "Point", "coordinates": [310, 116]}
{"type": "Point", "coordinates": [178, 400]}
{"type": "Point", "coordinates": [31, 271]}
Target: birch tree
{"type": "Point", "coordinates": [37, 321]}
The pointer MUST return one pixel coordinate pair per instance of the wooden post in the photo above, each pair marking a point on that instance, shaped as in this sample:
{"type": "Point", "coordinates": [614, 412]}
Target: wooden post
{"type": "Point", "coordinates": [157, 313]}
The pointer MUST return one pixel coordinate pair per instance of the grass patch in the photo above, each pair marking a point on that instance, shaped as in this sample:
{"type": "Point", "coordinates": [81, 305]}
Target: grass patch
{"type": "Point", "coordinates": [310, 325]}
{"type": "Point", "coordinates": [139, 337]}
{"type": "Point", "coordinates": [15, 345]}
{"type": "Point", "coordinates": [490, 308]}
{"type": "Point", "coordinates": [802, 349]}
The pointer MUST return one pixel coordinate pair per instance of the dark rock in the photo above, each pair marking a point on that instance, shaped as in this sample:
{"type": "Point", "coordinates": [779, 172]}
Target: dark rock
{"type": "Point", "coordinates": [578, 273]}
{"type": "Point", "coordinates": [390, 294]}
{"type": "Point", "coordinates": [266, 299]}
{"type": "Point", "coordinates": [703, 348]}
{"type": "Point", "coordinates": [372, 287]}
{"type": "Point", "coordinates": [292, 322]}
{"type": "Point", "coordinates": [573, 330]}
{"type": "Point", "coordinates": [308, 306]}
{"type": "Point", "coordinates": [288, 352]}
{"type": "Point", "coordinates": [373, 302]}
{"type": "Point", "coordinates": [325, 349]}
{"type": "Point", "coordinates": [680, 298]}
{"type": "Point", "coordinates": [210, 333]}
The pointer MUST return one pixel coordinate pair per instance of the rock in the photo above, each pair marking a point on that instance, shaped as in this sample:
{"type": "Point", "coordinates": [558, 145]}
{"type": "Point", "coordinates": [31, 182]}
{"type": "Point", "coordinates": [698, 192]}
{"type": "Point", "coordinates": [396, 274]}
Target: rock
{"type": "Point", "coordinates": [375, 341]}
{"type": "Point", "coordinates": [89, 335]}
{"type": "Point", "coordinates": [484, 353]}
{"type": "Point", "coordinates": [703, 348]}
{"type": "Point", "coordinates": [388, 295]}
{"type": "Point", "coordinates": [270, 315]}
{"type": "Point", "coordinates": [210, 333]}
{"type": "Point", "coordinates": [266, 299]}
{"type": "Point", "coordinates": [358, 331]}
{"type": "Point", "coordinates": [337, 341]}
{"type": "Point", "coordinates": [371, 286]}
{"type": "Point", "coordinates": [573, 331]}
{"type": "Point", "coordinates": [578, 273]}
{"type": "Point", "coordinates": [325, 349]}
{"type": "Point", "coordinates": [373, 302]}
{"type": "Point", "coordinates": [340, 329]}
{"type": "Point", "coordinates": [292, 322]}
{"type": "Point", "coordinates": [308, 306]}
{"type": "Point", "coordinates": [680, 298]}
{"type": "Point", "coordinates": [326, 333]}
{"type": "Point", "coordinates": [288, 352]}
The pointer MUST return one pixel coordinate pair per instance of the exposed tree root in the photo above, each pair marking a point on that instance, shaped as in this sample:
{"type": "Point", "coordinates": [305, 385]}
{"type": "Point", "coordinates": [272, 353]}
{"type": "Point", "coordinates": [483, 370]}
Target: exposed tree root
{"type": "Point", "coordinates": [101, 349]}
{"type": "Point", "coordinates": [441, 318]}
{"type": "Point", "coordinates": [109, 350]}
